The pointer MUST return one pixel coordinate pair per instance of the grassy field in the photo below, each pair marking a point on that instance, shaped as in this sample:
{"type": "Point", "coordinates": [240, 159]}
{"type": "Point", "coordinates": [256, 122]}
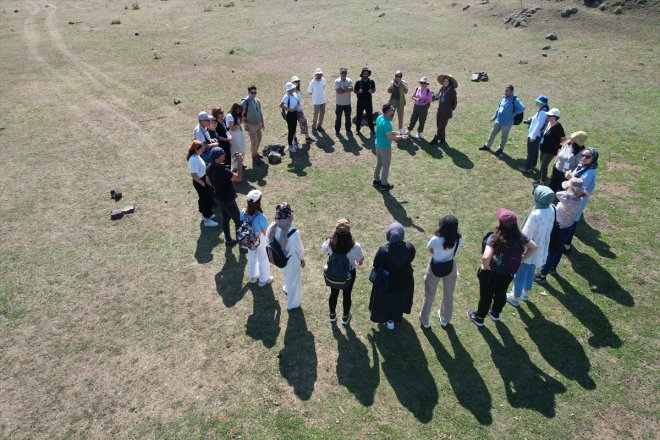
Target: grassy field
{"type": "Point", "coordinates": [146, 327]}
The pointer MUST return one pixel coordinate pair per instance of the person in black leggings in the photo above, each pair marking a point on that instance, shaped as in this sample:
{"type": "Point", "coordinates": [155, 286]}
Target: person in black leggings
{"type": "Point", "coordinates": [290, 105]}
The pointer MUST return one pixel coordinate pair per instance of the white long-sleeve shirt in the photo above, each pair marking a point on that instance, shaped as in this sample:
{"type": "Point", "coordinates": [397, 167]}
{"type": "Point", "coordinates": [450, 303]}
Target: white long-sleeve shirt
{"type": "Point", "coordinates": [537, 124]}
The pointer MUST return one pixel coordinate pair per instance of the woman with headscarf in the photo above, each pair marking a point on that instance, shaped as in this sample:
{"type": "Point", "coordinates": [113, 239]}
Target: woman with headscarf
{"type": "Point", "coordinates": [397, 90]}
{"type": "Point", "coordinates": [393, 261]}
{"type": "Point", "coordinates": [291, 242]}
{"type": "Point", "coordinates": [442, 266]}
{"type": "Point", "coordinates": [501, 247]}
{"type": "Point", "coordinates": [567, 159]}
{"type": "Point", "coordinates": [446, 105]}
{"type": "Point", "coordinates": [342, 242]}
{"type": "Point", "coordinates": [586, 171]}
{"type": "Point", "coordinates": [258, 265]}
{"type": "Point", "coordinates": [537, 227]}
{"type": "Point", "coordinates": [570, 201]}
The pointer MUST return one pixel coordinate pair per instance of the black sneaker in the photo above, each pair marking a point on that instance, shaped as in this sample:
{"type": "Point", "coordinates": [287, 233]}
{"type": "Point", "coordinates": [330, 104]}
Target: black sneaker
{"type": "Point", "coordinates": [332, 317]}
{"type": "Point", "coordinates": [346, 319]}
{"type": "Point", "coordinates": [552, 271]}
{"type": "Point", "coordinates": [376, 183]}
{"type": "Point", "coordinates": [499, 152]}
{"type": "Point", "coordinates": [320, 129]}
{"type": "Point", "coordinates": [231, 242]}
{"type": "Point", "coordinates": [349, 133]}
{"type": "Point", "coordinates": [474, 318]}
{"type": "Point", "coordinates": [337, 133]}
{"type": "Point", "coordinates": [494, 316]}
{"type": "Point", "coordinates": [434, 141]}
{"type": "Point", "coordinates": [540, 279]}
{"type": "Point", "coordinates": [484, 148]}
{"type": "Point", "coordinates": [387, 187]}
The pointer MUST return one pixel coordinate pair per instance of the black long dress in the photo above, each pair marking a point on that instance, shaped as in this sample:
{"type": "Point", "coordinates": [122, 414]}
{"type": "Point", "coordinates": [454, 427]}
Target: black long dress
{"type": "Point", "coordinates": [390, 305]}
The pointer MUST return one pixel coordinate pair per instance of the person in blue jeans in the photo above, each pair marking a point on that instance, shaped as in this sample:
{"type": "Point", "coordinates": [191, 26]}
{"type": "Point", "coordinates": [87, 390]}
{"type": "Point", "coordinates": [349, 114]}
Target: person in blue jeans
{"type": "Point", "coordinates": [508, 107]}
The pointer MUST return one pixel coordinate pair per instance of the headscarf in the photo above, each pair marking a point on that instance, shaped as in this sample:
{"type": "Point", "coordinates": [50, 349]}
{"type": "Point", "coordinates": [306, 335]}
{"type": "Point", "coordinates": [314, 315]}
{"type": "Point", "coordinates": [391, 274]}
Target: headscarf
{"type": "Point", "coordinates": [283, 219]}
{"type": "Point", "coordinates": [543, 197]}
{"type": "Point", "coordinates": [581, 169]}
{"type": "Point", "coordinates": [395, 233]}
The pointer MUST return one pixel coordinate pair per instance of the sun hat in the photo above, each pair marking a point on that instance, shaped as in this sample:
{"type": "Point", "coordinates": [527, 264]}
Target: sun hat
{"type": "Point", "coordinates": [423, 80]}
{"type": "Point", "coordinates": [343, 226]}
{"type": "Point", "coordinates": [554, 112]}
{"type": "Point", "coordinates": [575, 185]}
{"type": "Point", "coordinates": [318, 71]}
{"type": "Point", "coordinates": [398, 72]}
{"type": "Point", "coordinates": [452, 81]}
{"type": "Point", "coordinates": [203, 116]}
{"type": "Point", "coordinates": [343, 70]}
{"type": "Point", "coordinates": [365, 69]}
{"type": "Point", "coordinates": [289, 86]}
{"type": "Point", "coordinates": [579, 138]}
{"type": "Point", "coordinates": [507, 218]}
{"type": "Point", "coordinates": [216, 152]}
{"type": "Point", "coordinates": [395, 233]}
{"type": "Point", "coordinates": [254, 195]}
{"type": "Point", "coordinates": [294, 78]}
{"type": "Point", "coordinates": [542, 99]}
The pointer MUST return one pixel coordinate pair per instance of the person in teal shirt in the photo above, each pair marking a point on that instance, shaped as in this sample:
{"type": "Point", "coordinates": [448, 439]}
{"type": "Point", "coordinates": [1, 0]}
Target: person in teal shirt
{"type": "Point", "coordinates": [384, 138]}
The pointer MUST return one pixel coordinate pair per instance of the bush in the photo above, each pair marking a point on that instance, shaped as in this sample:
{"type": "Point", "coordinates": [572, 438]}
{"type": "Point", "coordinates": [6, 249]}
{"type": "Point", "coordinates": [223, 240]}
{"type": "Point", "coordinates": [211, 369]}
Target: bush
{"type": "Point", "coordinates": [135, 6]}
{"type": "Point", "coordinates": [117, 21]}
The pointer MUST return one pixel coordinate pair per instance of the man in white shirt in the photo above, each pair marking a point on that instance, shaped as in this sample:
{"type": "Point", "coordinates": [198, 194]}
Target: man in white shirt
{"type": "Point", "coordinates": [317, 90]}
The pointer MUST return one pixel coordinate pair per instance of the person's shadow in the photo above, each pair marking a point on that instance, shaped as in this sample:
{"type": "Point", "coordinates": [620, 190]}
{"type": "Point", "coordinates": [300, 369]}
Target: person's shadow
{"type": "Point", "coordinates": [514, 163]}
{"type": "Point", "coordinates": [264, 322]}
{"type": "Point", "coordinates": [353, 368]}
{"type": "Point", "coordinates": [431, 150]}
{"type": "Point", "coordinates": [254, 175]}
{"type": "Point", "coordinates": [325, 143]}
{"type": "Point", "coordinates": [406, 369]}
{"type": "Point", "coordinates": [558, 347]}
{"type": "Point", "coordinates": [300, 160]}
{"type": "Point", "coordinates": [350, 145]}
{"type": "Point", "coordinates": [207, 240]}
{"type": "Point", "coordinates": [588, 313]}
{"type": "Point", "coordinates": [459, 158]}
{"type": "Point", "coordinates": [409, 146]}
{"type": "Point", "coordinates": [298, 363]}
{"type": "Point", "coordinates": [466, 382]}
{"type": "Point", "coordinates": [229, 281]}
{"type": "Point", "coordinates": [600, 280]}
{"type": "Point", "coordinates": [525, 384]}
{"type": "Point", "coordinates": [398, 212]}
{"type": "Point", "coordinates": [591, 237]}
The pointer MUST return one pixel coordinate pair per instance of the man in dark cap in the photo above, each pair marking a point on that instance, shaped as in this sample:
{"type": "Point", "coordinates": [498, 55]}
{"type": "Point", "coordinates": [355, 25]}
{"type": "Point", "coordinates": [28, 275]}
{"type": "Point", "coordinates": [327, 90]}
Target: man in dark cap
{"type": "Point", "coordinates": [364, 88]}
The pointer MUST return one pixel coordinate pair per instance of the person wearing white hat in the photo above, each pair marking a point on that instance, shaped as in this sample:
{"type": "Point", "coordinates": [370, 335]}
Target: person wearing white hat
{"type": "Point", "coordinates": [302, 120]}
{"type": "Point", "coordinates": [258, 264]}
{"type": "Point", "coordinates": [317, 88]}
{"type": "Point", "coordinates": [553, 136]}
{"type": "Point", "coordinates": [422, 97]}
{"type": "Point", "coordinates": [289, 106]}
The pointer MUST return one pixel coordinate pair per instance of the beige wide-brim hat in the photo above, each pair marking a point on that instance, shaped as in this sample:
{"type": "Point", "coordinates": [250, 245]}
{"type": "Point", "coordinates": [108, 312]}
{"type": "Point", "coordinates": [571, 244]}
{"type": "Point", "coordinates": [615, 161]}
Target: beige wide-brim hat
{"type": "Point", "coordinates": [452, 80]}
{"type": "Point", "coordinates": [579, 138]}
{"type": "Point", "coordinates": [575, 185]}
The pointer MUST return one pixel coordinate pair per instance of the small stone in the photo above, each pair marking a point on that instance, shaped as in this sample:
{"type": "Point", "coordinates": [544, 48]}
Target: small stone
{"type": "Point", "coordinates": [566, 13]}
{"type": "Point", "coordinates": [177, 101]}
{"type": "Point", "coordinates": [137, 34]}
{"type": "Point", "coordinates": [603, 7]}
{"type": "Point", "coordinates": [194, 65]}
{"type": "Point", "coordinates": [544, 54]}
{"type": "Point", "coordinates": [618, 10]}
{"type": "Point", "coordinates": [382, 14]}
{"type": "Point", "coordinates": [466, 7]}
{"type": "Point", "coordinates": [522, 62]}
{"type": "Point", "coordinates": [551, 37]}
{"type": "Point", "coordinates": [499, 55]}
{"type": "Point", "coordinates": [548, 47]}
{"type": "Point", "coordinates": [574, 11]}
{"type": "Point", "coordinates": [15, 10]}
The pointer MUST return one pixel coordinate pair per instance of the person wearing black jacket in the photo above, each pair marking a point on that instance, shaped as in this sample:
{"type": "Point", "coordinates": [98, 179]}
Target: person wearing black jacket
{"type": "Point", "coordinates": [222, 134]}
{"type": "Point", "coordinates": [364, 89]}
{"type": "Point", "coordinates": [222, 180]}
{"type": "Point", "coordinates": [552, 137]}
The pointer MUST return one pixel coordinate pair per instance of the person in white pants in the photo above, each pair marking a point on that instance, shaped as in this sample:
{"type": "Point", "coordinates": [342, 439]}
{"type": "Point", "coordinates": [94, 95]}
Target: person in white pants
{"type": "Point", "coordinates": [234, 121]}
{"type": "Point", "coordinates": [292, 245]}
{"type": "Point", "coordinates": [258, 264]}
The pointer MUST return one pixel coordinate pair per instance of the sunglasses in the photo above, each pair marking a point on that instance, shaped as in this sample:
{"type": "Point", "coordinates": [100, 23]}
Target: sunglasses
{"type": "Point", "coordinates": [398, 76]}
{"type": "Point", "coordinates": [295, 82]}
{"type": "Point", "coordinates": [587, 156]}
{"type": "Point", "coordinates": [253, 93]}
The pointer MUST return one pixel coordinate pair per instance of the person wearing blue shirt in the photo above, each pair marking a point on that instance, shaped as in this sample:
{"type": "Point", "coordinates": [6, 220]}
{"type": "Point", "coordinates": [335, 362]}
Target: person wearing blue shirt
{"type": "Point", "coordinates": [384, 138]}
{"type": "Point", "coordinates": [509, 107]}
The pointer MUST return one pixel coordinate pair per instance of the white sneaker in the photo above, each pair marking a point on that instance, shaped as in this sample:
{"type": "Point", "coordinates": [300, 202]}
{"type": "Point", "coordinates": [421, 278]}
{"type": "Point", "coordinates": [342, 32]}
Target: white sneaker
{"type": "Point", "coordinates": [210, 223]}
{"type": "Point", "coordinates": [262, 284]}
{"type": "Point", "coordinates": [418, 135]}
{"type": "Point", "coordinates": [390, 325]}
{"type": "Point", "coordinates": [524, 296]}
{"type": "Point", "coordinates": [253, 280]}
{"type": "Point", "coordinates": [293, 148]}
{"type": "Point", "coordinates": [442, 320]}
{"type": "Point", "coordinates": [511, 299]}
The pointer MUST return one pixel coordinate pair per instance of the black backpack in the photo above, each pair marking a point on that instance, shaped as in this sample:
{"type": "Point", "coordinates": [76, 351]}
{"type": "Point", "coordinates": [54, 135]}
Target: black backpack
{"type": "Point", "coordinates": [517, 119]}
{"type": "Point", "coordinates": [337, 271]}
{"type": "Point", "coordinates": [275, 252]}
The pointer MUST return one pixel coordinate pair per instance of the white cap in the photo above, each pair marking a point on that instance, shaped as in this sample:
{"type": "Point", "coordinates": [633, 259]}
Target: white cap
{"type": "Point", "coordinates": [294, 78]}
{"type": "Point", "coordinates": [554, 112]}
{"type": "Point", "coordinates": [254, 195]}
{"type": "Point", "coordinates": [424, 80]}
{"type": "Point", "coordinates": [318, 71]}
{"type": "Point", "coordinates": [289, 86]}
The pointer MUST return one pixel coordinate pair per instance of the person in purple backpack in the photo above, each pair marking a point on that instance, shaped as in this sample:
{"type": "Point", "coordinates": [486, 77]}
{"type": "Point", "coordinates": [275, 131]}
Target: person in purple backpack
{"type": "Point", "coordinates": [504, 249]}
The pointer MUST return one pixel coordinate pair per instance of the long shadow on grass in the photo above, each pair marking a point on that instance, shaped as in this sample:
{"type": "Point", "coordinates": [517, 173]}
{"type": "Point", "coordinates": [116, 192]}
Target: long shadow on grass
{"type": "Point", "coordinates": [468, 385]}
{"type": "Point", "coordinates": [350, 144]}
{"type": "Point", "coordinates": [510, 161]}
{"type": "Point", "coordinates": [229, 281]}
{"type": "Point", "coordinates": [353, 368]}
{"type": "Point", "coordinates": [324, 142]}
{"type": "Point", "coordinates": [300, 161]}
{"type": "Point", "coordinates": [558, 347]}
{"type": "Point", "coordinates": [398, 212]}
{"type": "Point", "coordinates": [525, 384]}
{"type": "Point", "coordinates": [264, 322]}
{"type": "Point", "coordinates": [588, 313]}
{"type": "Point", "coordinates": [431, 150]}
{"type": "Point", "coordinates": [459, 158]}
{"type": "Point", "coordinates": [406, 369]}
{"type": "Point", "coordinates": [298, 361]}
{"type": "Point", "coordinates": [409, 146]}
{"type": "Point", "coordinates": [600, 280]}
{"type": "Point", "coordinates": [208, 239]}
{"type": "Point", "coordinates": [591, 237]}
{"type": "Point", "coordinates": [253, 176]}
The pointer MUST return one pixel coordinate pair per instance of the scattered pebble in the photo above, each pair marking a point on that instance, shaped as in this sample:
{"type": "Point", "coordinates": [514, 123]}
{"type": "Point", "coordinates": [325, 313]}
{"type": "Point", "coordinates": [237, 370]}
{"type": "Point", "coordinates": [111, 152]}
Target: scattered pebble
{"type": "Point", "coordinates": [522, 62]}
{"type": "Point", "coordinates": [551, 37]}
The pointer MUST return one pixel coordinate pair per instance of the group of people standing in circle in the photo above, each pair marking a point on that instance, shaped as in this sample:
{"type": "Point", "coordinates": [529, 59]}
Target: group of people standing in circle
{"type": "Point", "coordinates": [510, 253]}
